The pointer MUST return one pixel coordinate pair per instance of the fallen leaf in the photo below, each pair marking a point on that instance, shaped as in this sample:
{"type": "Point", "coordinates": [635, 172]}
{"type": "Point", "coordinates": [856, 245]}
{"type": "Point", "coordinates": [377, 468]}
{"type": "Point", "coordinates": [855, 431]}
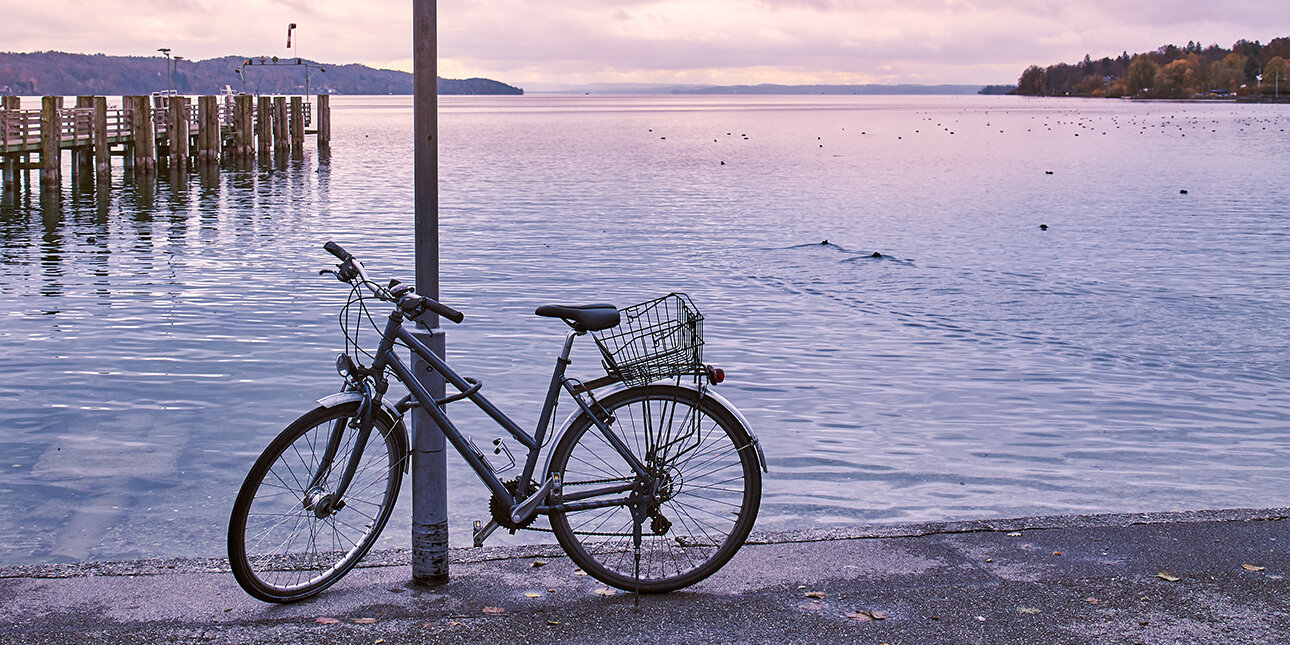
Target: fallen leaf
{"type": "Point", "coordinates": [553, 622]}
{"type": "Point", "coordinates": [539, 563]}
{"type": "Point", "coordinates": [579, 572]}
{"type": "Point", "coordinates": [324, 620]}
{"type": "Point", "coordinates": [815, 594]}
{"type": "Point", "coordinates": [606, 591]}
{"type": "Point", "coordinates": [494, 610]}
{"type": "Point", "coordinates": [1091, 601]}
{"type": "Point", "coordinates": [1027, 610]}
{"type": "Point", "coordinates": [1250, 567]}
{"type": "Point", "coordinates": [1057, 552]}
{"type": "Point", "coordinates": [379, 641]}
{"type": "Point", "coordinates": [364, 621]}
{"type": "Point", "coordinates": [451, 623]}
{"type": "Point", "coordinates": [1015, 534]}
{"type": "Point", "coordinates": [550, 590]}
{"type": "Point", "coordinates": [532, 595]}
{"type": "Point", "coordinates": [865, 615]}
{"type": "Point", "coordinates": [1165, 575]}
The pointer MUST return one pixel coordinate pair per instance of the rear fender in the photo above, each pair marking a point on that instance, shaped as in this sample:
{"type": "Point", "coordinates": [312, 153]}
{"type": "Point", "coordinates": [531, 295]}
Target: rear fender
{"type": "Point", "coordinates": [716, 398]}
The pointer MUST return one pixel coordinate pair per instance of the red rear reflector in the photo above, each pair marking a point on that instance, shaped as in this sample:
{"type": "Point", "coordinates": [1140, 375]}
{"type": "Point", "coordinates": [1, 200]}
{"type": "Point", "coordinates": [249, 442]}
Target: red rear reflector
{"type": "Point", "coordinates": [718, 375]}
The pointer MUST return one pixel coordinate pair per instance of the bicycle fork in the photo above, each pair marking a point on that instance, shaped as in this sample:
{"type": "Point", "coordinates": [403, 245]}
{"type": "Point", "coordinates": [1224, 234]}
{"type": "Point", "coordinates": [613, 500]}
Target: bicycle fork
{"type": "Point", "coordinates": [317, 498]}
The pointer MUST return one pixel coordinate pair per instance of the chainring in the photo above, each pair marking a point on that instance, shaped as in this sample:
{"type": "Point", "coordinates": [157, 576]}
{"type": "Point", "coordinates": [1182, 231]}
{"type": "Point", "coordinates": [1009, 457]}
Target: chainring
{"type": "Point", "coordinates": [502, 513]}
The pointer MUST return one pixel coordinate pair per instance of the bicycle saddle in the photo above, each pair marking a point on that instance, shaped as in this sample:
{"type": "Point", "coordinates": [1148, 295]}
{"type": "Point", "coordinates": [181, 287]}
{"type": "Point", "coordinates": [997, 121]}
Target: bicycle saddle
{"type": "Point", "coordinates": [583, 317]}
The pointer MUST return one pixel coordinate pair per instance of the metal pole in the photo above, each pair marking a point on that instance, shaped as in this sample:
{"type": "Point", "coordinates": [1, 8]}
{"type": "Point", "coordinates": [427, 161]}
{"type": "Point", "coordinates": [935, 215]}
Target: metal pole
{"type": "Point", "coordinates": [429, 463]}
{"type": "Point", "coordinates": [166, 51]}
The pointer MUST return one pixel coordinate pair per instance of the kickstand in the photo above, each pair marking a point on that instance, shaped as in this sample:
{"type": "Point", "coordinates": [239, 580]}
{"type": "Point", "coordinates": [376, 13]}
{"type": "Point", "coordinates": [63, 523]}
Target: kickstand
{"type": "Point", "coordinates": [636, 545]}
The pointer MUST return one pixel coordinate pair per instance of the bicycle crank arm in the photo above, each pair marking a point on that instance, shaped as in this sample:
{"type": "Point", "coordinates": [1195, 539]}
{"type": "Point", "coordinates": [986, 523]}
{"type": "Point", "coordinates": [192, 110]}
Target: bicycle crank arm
{"type": "Point", "coordinates": [525, 510]}
{"type": "Point", "coordinates": [482, 531]}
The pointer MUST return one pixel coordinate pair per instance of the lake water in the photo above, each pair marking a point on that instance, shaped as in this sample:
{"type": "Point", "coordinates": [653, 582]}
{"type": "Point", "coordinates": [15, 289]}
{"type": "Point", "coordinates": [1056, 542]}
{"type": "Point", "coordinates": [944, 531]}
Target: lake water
{"type": "Point", "coordinates": [1131, 357]}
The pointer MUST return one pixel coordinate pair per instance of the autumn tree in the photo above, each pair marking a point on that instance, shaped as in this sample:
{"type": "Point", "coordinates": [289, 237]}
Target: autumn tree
{"type": "Point", "coordinates": [1033, 81]}
{"type": "Point", "coordinates": [1228, 73]}
{"type": "Point", "coordinates": [1277, 68]}
{"type": "Point", "coordinates": [1174, 80]}
{"type": "Point", "coordinates": [1142, 74]}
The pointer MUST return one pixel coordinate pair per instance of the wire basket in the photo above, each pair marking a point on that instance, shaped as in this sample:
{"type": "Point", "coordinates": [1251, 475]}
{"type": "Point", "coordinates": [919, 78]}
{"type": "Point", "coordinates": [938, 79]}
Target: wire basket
{"type": "Point", "coordinates": [658, 339]}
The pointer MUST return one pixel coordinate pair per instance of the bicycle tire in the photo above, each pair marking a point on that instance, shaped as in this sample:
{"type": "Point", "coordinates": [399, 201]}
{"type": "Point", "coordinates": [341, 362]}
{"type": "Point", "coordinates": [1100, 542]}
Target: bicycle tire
{"type": "Point", "coordinates": [710, 499]}
{"type": "Point", "coordinates": [280, 550]}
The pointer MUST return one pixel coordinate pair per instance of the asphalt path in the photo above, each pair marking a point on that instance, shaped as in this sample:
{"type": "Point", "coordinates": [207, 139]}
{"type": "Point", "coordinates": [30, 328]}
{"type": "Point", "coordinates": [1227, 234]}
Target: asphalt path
{"type": "Point", "coordinates": [1195, 577]}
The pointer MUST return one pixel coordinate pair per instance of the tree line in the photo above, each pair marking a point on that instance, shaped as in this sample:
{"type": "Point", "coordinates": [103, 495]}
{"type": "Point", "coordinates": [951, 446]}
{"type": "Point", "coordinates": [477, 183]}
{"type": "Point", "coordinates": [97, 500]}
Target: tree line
{"type": "Point", "coordinates": [1247, 68]}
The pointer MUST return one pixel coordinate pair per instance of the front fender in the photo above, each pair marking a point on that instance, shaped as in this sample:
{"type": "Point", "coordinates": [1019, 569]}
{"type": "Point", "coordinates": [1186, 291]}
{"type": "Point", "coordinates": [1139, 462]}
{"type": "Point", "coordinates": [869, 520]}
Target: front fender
{"type": "Point", "coordinates": [717, 398]}
{"type": "Point", "coordinates": [396, 419]}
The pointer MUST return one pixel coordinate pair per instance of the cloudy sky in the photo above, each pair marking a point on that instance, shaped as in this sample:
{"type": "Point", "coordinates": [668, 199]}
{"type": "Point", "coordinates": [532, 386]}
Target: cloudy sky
{"type": "Point", "coordinates": [530, 43]}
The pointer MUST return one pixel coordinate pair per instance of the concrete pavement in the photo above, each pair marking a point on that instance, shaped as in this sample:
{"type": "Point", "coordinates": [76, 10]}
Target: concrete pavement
{"type": "Point", "coordinates": [1194, 577]}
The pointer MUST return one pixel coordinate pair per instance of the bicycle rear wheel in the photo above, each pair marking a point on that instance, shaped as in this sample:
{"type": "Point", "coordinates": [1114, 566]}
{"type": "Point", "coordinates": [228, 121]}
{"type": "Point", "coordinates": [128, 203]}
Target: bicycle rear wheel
{"type": "Point", "coordinates": [710, 489]}
{"type": "Point", "coordinates": [288, 539]}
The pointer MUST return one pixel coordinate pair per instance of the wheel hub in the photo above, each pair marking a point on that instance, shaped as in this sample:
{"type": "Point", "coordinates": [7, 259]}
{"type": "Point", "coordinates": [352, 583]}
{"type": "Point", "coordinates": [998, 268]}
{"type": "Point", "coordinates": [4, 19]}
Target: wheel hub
{"type": "Point", "coordinates": [319, 501]}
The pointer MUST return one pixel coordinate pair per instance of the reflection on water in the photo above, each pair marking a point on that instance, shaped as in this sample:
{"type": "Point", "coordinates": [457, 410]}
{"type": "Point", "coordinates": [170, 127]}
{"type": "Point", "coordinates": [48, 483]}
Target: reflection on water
{"type": "Point", "coordinates": [1129, 357]}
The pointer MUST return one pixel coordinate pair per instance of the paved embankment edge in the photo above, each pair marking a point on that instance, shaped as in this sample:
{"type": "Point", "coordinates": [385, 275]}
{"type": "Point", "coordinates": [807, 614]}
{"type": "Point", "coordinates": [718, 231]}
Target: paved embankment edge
{"type": "Point", "coordinates": [401, 557]}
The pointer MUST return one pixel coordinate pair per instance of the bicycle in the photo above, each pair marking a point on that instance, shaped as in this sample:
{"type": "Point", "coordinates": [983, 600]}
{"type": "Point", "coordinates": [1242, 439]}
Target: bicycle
{"type": "Point", "coordinates": [651, 486]}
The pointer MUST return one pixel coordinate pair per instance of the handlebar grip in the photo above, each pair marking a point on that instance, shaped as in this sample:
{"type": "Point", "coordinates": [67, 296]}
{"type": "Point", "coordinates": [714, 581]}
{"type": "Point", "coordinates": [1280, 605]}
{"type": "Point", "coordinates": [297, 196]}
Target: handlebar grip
{"type": "Point", "coordinates": [335, 249]}
{"type": "Point", "coordinates": [445, 311]}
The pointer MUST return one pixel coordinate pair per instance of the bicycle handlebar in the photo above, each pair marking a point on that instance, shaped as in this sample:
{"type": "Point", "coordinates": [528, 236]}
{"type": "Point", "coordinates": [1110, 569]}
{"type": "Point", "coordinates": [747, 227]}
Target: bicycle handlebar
{"type": "Point", "coordinates": [384, 294]}
{"type": "Point", "coordinates": [336, 250]}
{"type": "Point", "coordinates": [443, 310]}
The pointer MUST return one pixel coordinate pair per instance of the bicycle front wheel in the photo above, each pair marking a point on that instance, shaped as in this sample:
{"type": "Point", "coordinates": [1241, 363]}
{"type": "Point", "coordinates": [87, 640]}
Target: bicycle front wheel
{"type": "Point", "coordinates": [289, 537]}
{"type": "Point", "coordinates": [709, 487]}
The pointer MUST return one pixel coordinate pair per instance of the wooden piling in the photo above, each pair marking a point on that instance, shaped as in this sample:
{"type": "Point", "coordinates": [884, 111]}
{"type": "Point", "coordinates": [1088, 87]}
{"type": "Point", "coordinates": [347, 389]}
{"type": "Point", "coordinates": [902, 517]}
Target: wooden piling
{"type": "Point", "coordinates": [280, 127]}
{"type": "Point", "coordinates": [243, 134]}
{"type": "Point", "coordinates": [297, 123]}
{"type": "Point", "coordinates": [51, 152]}
{"type": "Point", "coordinates": [264, 123]}
{"type": "Point", "coordinates": [102, 151]}
{"type": "Point", "coordinates": [215, 141]}
{"type": "Point", "coordinates": [145, 141]}
{"type": "Point", "coordinates": [202, 154]}
{"type": "Point", "coordinates": [9, 129]}
{"type": "Point", "coordinates": [324, 121]}
{"type": "Point", "coordinates": [179, 139]}
{"type": "Point", "coordinates": [208, 134]}
{"type": "Point", "coordinates": [82, 140]}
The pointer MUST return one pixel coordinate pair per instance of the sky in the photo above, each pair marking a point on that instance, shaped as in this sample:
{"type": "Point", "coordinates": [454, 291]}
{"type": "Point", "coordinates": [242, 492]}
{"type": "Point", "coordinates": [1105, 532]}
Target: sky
{"type": "Point", "coordinates": [569, 42]}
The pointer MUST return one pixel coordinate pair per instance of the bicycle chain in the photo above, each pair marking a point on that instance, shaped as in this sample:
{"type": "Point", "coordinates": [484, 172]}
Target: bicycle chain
{"type": "Point", "coordinates": [594, 533]}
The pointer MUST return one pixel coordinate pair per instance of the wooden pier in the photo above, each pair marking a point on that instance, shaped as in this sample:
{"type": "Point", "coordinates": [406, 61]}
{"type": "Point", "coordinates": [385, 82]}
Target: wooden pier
{"type": "Point", "coordinates": [149, 133]}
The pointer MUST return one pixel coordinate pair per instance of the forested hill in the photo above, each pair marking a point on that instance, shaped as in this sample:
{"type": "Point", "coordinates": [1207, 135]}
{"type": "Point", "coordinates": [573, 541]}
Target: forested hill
{"type": "Point", "coordinates": [58, 73]}
{"type": "Point", "coordinates": [1168, 72]}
